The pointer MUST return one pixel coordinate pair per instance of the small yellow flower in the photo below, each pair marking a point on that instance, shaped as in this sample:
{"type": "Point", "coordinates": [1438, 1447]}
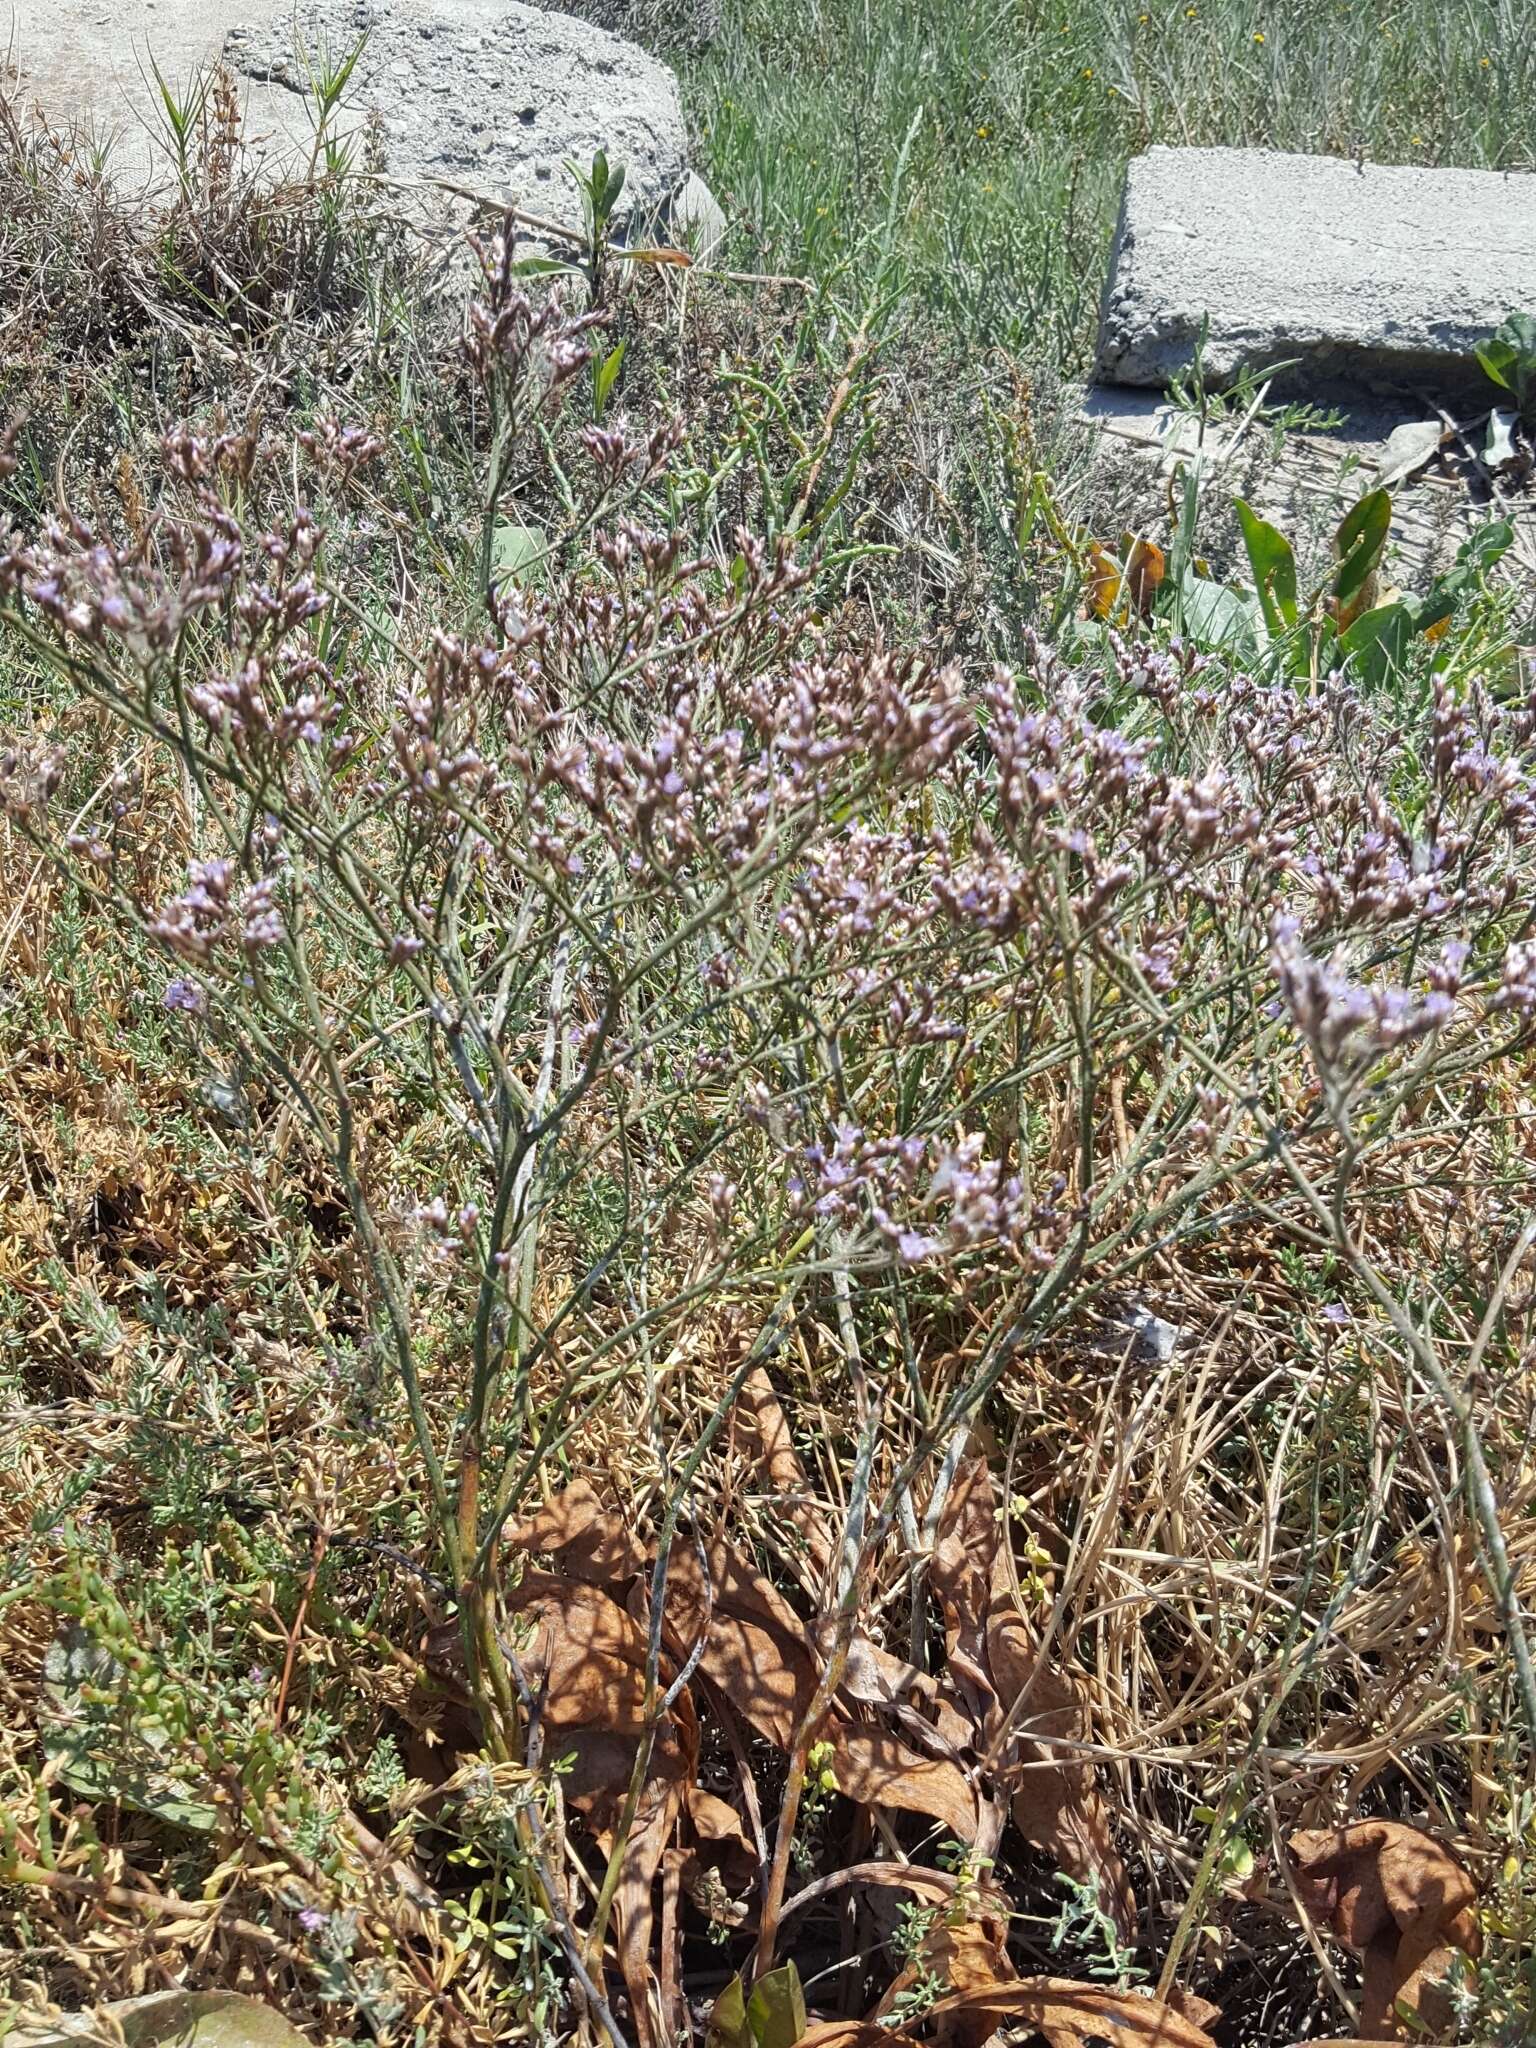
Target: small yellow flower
{"type": "Point", "coordinates": [1190, 13]}
{"type": "Point", "coordinates": [1417, 141]}
{"type": "Point", "coordinates": [983, 131]}
{"type": "Point", "coordinates": [1087, 71]}
{"type": "Point", "coordinates": [1258, 38]}
{"type": "Point", "coordinates": [1486, 62]}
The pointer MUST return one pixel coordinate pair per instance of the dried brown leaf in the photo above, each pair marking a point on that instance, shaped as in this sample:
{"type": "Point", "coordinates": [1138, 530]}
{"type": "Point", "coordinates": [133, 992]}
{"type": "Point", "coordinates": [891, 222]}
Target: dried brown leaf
{"type": "Point", "coordinates": [755, 1649]}
{"type": "Point", "coordinates": [757, 1652]}
{"type": "Point", "coordinates": [672, 1770]}
{"type": "Point", "coordinates": [876, 1769]}
{"type": "Point", "coordinates": [1404, 1903]}
{"type": "Point", "coordinates": [1067, 2014]}
{"type": "Point", "coordinates": [967, 1958]}
{"type": "Point", "coordinates": [998, 1674]}
{"type": "Point", "coordinates": [1191, 2006]}
{"type": "Point", "coordinates": [1145, 567]}
{"type": "Point", "coordinates": [781, 1464]}
{"type": "Point", "coordinates": [873, 1677]}
{"type": "Point", "coordinates": [594, 1780]}
{"type": "Point", "coordinates": [722, 1836]}
{"type": "Point", "coordinates": [584, 1653]}
{"type": "Point", "coordinates": [586, 1657]}
{"type": "Point", "coordinates": [591, 1541]}
{"type": "Point", "coordinates": [937, 1887]}
{"type": "Point", "coordinates": [1104, 581]}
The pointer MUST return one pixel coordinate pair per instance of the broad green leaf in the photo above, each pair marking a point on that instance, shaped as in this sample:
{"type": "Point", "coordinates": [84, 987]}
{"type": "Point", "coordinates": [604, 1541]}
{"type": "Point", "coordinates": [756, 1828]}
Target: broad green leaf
{"type": "Point", "coordinates": [1478, 553]}
{"type": "Point", "coordinates": [1509, 359]}
{"type": "Point", "coordinates": [112, 1780]}
{"type": "Point", "coordinates": [1359, 542]}
{"type": "Point", "coordinates": [1481, 550]}
{"type": "Point", "coordinates": [776, 2009]}
{"type": "Point", "coordinates": [1274, 569]}
{"type": "Point", "coordinates": [1377, 642]}
{"type": "Point", "coordinates": [1498, 359]}
{"type": "Point", "coordinates": [1217, 616]}
{"type": "Point", "coordinates": [541, 266]}
{"type": "Point", "coordinates": [727, 2025]}
{"type": "Point", "coordinates": [516, 552]}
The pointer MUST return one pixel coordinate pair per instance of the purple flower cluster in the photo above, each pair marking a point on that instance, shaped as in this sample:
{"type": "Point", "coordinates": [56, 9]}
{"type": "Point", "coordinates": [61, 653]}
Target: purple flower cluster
{"type": "Point", "coordinates": [924, 1197]}
{"type": "Point", "coordinates": [850, 901]}
{"type": "Point", "coordinates": [528, 351]}
{"type": "Point", "coordinates": [211, 910]}
{"type": "Point", "coordinates": [1346, 1021]}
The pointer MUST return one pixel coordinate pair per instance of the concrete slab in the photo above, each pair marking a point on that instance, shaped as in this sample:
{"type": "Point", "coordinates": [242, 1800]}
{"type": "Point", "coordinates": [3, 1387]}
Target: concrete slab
{"type": "Point", "coordinates": [1377, 277]}
{"type": "Point", "coordinates": [487, 94]}
{"type": "Point", "coordinates": [1305, 482]}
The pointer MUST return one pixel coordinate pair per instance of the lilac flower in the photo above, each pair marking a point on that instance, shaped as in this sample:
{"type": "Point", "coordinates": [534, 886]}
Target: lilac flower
{"type": "Point", "coordinates": [193, 923]}
{"type": "Point", "coordinates": [181, 994]}
{"type": "Point", "coordinates": [1345, 1020]}
{"type": "Point", "coordinates": [1517, 980]}
{"type": "Point", "coordinates": [986, 1206]}
{"type": "Point", "coordinates": [261, 921]}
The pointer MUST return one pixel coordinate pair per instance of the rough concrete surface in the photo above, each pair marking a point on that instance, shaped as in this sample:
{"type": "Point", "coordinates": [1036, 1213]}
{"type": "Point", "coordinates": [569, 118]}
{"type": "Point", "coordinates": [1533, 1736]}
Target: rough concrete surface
{"type": "Point", "coordinates": [1376, 276]}
{"type": "Point", "coordinates": [86, 63]}
{"type": "Point", "coordinates": [484, 93]}
{"type": "Point", "coordinates": [488, 94]}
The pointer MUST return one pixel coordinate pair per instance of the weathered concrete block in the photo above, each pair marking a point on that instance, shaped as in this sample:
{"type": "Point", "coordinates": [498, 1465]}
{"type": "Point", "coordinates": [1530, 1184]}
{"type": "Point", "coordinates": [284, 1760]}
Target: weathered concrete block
{"type": "Point", "coordinates": [1305, 484]}
{"type": "Point", "coordinates": [1377, 277]}
{"type": "Point", "coordinates": [487, 94]}
{"type": "Point", "coordinates": [696, 219]}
